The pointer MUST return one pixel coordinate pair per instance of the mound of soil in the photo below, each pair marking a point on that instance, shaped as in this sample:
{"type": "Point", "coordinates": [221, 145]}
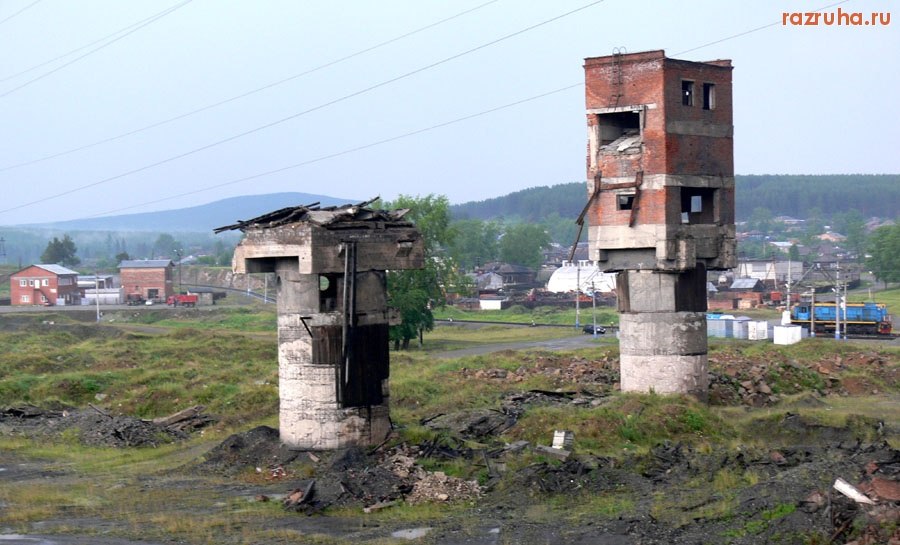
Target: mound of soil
{"type": "Point", "coordinates": [260, 447]}
{"type": "Point", "coordinates": [354, 477]}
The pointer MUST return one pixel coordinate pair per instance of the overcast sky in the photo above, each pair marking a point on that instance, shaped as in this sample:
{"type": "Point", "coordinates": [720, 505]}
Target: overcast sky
{"type": "Point", "coordinates": [807, 99]}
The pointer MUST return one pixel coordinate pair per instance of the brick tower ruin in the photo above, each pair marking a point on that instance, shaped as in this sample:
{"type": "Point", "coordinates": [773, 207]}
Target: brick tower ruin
{"type": "Point", "coordinates": [333, 319]}
{"type": "Point", "coordinates": [661, 206]}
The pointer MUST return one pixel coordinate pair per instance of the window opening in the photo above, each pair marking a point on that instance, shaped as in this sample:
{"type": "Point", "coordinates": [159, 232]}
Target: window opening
{"type": "Point", "coordinates": [328, 292]}
{"type": "Point", "coordinates": [687, 93]}
{"type": "Point", "coordinates": [709, 96]}
{"type": "Point", "coordinates": [614, 126]}
{"type": "Point", "coordinates": [698, 205]}
{"type": "Point", "coordinates": [625, 201]}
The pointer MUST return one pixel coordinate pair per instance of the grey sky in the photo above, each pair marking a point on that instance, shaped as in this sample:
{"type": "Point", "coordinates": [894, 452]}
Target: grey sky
{"type": "Point", "coordinates": [808, 99]}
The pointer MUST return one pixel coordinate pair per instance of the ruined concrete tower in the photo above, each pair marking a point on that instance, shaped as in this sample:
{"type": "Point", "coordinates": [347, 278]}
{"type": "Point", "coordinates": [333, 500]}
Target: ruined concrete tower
{"type": "Point", "coordinates": [333, 319]}
{"type": "Point", "coordinates": [661, 206]}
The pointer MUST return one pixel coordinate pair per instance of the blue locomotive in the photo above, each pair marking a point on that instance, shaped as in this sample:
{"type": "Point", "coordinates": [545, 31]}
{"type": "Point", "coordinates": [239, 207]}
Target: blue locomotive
{"type": "Point", "coordinates": [861, 318]}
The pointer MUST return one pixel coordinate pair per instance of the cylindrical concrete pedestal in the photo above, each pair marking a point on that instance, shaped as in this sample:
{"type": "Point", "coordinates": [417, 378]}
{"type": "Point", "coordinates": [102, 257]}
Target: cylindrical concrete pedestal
{"type": "Point", "coordinates": [321, 406]}
{"type": "Point", "coordinates": [663, 352]}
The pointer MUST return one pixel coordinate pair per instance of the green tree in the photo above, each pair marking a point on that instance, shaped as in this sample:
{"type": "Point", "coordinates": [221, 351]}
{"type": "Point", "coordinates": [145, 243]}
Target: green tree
{"type": "Point", "coordinates": [474, 242]}
{"type": "Point", "coordinates": [166, 246]}
{"type": "Point", "coordinates": [884, 249]}
{"type": "Point", "coordinates": [415, 292]}
{"type": "Point", "coordinates": [61, 252]}
{"type": "Point", "coordinates": [794, 253]}
{"type": "Point", "coordinates": [122, 256]}
{"type": "Point", "coordinates": [522, 244]}
{"type": "Point", "coordinates": [761, 219]}
{"type": "Point", "coordinates": [853, 226]}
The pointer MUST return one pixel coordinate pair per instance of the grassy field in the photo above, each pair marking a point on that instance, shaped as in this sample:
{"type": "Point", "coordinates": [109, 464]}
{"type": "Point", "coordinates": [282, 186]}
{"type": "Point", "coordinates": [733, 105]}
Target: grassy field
{"type": "Point", "coordinates": [542, 315]}
{"type": "Point", "coordinates": [198, 358]}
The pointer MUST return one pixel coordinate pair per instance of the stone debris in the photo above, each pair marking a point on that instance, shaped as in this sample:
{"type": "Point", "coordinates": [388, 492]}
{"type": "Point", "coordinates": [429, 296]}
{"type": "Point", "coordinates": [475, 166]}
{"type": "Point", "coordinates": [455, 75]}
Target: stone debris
{"type": "Point", "coordinates": [761, 380]}
{"type": "Point", "coordinates": [439, 487]}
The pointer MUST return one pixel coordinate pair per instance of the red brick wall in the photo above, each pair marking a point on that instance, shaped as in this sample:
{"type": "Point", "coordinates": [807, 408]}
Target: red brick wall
{"type": "Point", "coordinates": [52, 291]}
{"type": "Point", "coordinates": [141, 280]}
{"type": "Point", "coordinates": [676, 139]}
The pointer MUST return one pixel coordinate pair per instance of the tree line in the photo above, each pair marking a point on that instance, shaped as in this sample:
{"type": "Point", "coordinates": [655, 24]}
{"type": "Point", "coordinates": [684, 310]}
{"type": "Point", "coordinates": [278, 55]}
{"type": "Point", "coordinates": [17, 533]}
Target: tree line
{"type": "Point", "coordinates": [781, 194]}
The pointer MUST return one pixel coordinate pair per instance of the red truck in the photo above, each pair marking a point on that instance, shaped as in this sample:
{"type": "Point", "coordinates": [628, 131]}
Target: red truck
{"type": "Point", "coordinates": [182, 299]}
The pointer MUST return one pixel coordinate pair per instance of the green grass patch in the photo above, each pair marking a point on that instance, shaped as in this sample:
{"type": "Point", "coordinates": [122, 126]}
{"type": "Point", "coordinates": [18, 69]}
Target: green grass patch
{"type": "Point", "coordinates": [540, 315]}
{"type": "Point", "coordinates": [629, 421]}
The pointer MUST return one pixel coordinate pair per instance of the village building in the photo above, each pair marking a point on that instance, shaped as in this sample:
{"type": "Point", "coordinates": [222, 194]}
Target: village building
{"type": "Point", "coordinates": [584, 276]}
{"type": "Point", "coordinates": [770, 271]}
{"type": "Point", "coordinates": [147, 279]}
{"type": "Point", "coordinates": [46, 285]}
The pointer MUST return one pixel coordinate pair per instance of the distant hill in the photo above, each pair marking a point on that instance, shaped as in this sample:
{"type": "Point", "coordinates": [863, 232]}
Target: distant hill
{"type": "Point", "coordinates": [790, 195]}
{"type": "Point", "coordinates": [534, 204]}
{"type": "Point", "coordinates": [203, 218]}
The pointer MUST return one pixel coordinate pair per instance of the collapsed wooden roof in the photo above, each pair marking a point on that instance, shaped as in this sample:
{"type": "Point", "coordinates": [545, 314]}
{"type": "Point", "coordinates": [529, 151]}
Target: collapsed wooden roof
{"type": "Point", "coordinates": [334, 217]}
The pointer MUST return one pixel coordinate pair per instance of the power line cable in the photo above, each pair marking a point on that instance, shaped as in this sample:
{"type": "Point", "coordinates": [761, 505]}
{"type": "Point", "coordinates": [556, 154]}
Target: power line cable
{"type": "Point", "coordinates": [406, 135]}
{"type": "Point", "coordinates": [92, 51]}
{"type": "Point", "coordinates": [751, 31]}
{"type": "Point", "coordinates": [371, 144]}
{"type": "Point", "coordinates": [85, 46]}
{"type": "Point", "coordinates": [299, 114]}
{"type": "Point", "coordinates": [20, 11]}
{"type": "Point", "coordinates": [248, 93]}
{"type": "Point", "coordinates": [344, 152]}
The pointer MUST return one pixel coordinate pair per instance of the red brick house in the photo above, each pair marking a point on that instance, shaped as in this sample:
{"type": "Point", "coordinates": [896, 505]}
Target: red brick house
{"type": "Point", "coordinates": [44, 285]}
{"type": "Point", "coordinates": [149, 279]}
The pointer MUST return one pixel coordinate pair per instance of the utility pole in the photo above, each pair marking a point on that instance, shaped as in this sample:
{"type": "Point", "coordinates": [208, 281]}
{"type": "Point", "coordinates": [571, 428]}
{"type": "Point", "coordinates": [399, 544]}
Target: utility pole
{"type": "Point", "coordinates": [837, 305]}
{"type": "Point", "coordinates": [178, 253]}
{"type": "Point", "coordinates": [97, 293]}
{"type": "Point", "coordinates": [577, 294]}
{"type": "Point", "coordinates": [845, 310]}
{"type": "Point", "coordinates": [789, 286]}
{"type": "Point", "coordinates": [812, 313]}
{"type": "Point", "coordinates": [594, 308]}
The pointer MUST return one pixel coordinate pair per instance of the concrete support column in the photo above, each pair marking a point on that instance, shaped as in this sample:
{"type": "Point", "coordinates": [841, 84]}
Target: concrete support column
{"type": "Point", "coordinates": [662, 335]}
{"type": "Point", "coordinates": [314, 409]}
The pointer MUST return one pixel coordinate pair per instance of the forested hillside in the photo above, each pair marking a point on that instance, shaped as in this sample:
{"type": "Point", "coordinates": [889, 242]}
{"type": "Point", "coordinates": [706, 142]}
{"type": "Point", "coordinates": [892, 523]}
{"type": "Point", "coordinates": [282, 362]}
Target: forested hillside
{"type": "Point", "coordinates": [795, 195]}
{"type": "Point", "coordinates": [534, 204]}
{"type": "Point", "coordinates": [791, 195]}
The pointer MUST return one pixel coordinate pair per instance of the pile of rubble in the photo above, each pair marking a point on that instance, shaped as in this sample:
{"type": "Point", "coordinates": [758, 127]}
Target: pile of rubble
{"type": "Point", "coordinates": [97, 427]}
{"type": "Point", "coordinates": [753, 381]}
{"type": "Point", "coordinates": [760, 380]}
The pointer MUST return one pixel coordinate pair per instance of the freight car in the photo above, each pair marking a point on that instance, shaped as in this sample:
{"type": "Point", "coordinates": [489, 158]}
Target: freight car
{"type": "Point", "coordinates": [861, 318]}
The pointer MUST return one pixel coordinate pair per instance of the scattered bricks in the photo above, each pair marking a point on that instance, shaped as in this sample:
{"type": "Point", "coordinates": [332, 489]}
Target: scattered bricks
{"type": "Point", "coordinates": [885, 489]}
